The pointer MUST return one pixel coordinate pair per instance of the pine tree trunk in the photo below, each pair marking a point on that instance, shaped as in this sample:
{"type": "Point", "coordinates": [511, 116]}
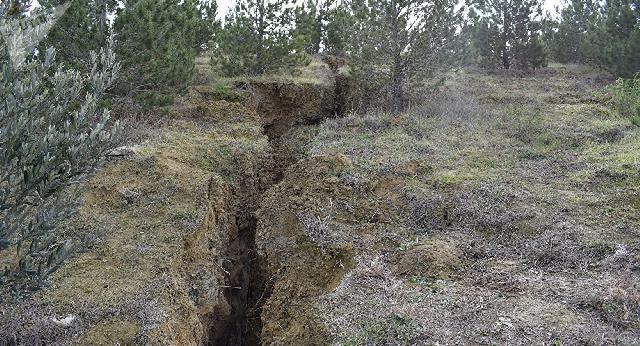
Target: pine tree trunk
{"type": "Point", "coordinates": [505, 58]}
{"type": "Point", "coordinates": [103, 30]}
{"type": "Point", "coordinates": [397, 93]}
{"type": "Point", "coordinates": [397, 76]}
{"type": "Point", "coordinates": [506, 27]}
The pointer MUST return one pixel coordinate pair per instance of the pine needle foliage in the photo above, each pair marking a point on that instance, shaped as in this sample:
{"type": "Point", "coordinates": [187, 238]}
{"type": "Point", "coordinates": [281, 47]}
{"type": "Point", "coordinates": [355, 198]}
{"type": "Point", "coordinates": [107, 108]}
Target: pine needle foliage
{"type": "Point", "coordinates": [603, 34]}
{"type": "Point", "coordinates": [257, 38]}
{"type": "Point", "coordinates": [157, 42]}
{"type": "Point", "coordinates": [83, 27]}
{"type": "Point", "coordinates": [507, 33]}
{"type": "Point", "coordinates": [397, 44]}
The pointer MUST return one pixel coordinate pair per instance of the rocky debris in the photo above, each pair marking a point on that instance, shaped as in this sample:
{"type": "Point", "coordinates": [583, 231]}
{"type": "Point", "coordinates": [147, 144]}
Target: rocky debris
{"type": "Point", "coordinates": [126, 150]}
{"type": "Point", "coordinates": [64, 322]}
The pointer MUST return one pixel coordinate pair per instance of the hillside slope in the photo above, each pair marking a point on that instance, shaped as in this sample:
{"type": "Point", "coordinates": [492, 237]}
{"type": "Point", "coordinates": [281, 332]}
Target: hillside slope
{"type": "Point", "coordinates": [504, 212]}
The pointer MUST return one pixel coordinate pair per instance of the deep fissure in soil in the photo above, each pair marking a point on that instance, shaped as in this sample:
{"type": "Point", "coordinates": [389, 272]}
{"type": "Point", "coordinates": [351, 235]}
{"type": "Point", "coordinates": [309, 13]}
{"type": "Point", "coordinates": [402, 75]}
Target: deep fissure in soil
{"type": "Point", "coordinates": [276, 142]}
{"type": "Point", "coordinates": [244, 289]}
{"type": "Point", "coordinates": [247, 286]}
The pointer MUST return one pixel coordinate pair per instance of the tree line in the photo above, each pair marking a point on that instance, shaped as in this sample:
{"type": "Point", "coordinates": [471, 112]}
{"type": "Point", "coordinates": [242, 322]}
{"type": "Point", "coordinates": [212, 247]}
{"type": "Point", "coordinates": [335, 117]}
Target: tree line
{"type": "Point", "coordinates": [389, 43]}
{"type": "Point", "coordinates": [605, 35]}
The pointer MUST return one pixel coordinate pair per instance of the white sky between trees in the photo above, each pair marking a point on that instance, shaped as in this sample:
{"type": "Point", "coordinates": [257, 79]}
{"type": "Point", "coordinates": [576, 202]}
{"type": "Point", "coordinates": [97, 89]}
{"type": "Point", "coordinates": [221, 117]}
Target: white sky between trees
{"type": "Point", "coordinates": [225, 5]}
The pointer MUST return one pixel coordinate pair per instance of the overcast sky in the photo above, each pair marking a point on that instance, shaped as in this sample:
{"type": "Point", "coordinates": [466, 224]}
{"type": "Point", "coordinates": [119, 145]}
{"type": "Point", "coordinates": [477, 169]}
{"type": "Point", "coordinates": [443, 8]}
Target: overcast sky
{"type": "Point", "coordinates": [224, 5]}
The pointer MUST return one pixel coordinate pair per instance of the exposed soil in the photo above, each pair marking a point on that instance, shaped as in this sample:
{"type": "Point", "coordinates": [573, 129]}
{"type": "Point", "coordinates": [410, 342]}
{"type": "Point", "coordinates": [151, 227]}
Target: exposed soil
{"type": "Point", "coordinates": [244, 287]}
{"type": "Point", "coordinates": [170, 225]}
{"type": "Point", "coordinates": [282, 108]}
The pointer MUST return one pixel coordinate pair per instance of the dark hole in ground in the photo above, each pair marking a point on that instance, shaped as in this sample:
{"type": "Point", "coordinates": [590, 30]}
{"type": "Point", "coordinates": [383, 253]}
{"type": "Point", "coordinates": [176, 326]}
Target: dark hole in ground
{"type": "Point", "coordinates": [245, 292]}
{"type": "Point", "coordinates": [276, 142]}
{"type": "Point", "coordinates": [248, 287]}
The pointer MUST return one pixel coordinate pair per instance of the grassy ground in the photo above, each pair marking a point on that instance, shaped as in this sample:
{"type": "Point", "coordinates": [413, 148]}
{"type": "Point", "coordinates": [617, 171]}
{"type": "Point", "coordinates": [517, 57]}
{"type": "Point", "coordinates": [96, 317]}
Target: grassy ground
{"type": "Point", "coordinates": [315, 72]}
{"type": "Point", "coordinates": [156, 224]}
{"type": "Point", "coordinates": [504, 212]}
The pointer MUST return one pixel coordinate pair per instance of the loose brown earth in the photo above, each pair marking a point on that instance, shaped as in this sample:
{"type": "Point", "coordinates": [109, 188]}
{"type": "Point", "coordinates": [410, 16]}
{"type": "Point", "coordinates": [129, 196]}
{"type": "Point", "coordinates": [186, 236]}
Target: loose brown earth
{"type": "Point", "coordinates": [505, 211]}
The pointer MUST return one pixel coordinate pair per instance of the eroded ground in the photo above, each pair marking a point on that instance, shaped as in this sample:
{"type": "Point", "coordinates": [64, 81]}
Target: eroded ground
{"type": "Point", "coordinates": [160, 221]}
{"type": "Point", "coordinates": [505, 211]}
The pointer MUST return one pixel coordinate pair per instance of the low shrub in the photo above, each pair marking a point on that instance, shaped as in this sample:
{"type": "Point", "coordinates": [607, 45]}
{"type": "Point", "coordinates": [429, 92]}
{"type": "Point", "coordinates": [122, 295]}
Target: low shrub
{"type": "Point", "coordinates": [626, 98]}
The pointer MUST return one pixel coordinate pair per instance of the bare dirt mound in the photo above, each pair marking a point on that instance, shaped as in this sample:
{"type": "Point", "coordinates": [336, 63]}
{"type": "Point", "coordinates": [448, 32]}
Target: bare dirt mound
{"type": "Point", "coordinates": [283, 105]}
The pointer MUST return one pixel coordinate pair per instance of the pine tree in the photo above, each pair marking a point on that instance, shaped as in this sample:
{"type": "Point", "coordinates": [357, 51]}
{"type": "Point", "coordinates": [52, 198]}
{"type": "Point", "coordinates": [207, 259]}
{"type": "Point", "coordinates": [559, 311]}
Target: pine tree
{"type": "Point", "coordinates": [52, 134]}
{"type": "Point", "coordinates": [514, 26]}
{"type": "Point", "coordinates": [605, 35]}
{"type": "Point", "coordinates": [408, 39]}
{"type": "Point", "coordinates": [81, 29]}
{"type": "Point", "coordinates": [480, 37]}
{"type": "Point", "coordinates": [338, 21]}
{"type": "Point", "coordinates": [256, 38]}
{"type": "Point", "coordinates": [308, 27]}
{"type": "Point", "coordinates": [209, 25]}
{"type": "Point", "coordinates": [571, 38]}
{"type": "Point", "coordinates": [319, 25]}
{"type": "Point", "coordinates": [548, 28]}
{"type": "Point", "coordinates": [157, 43]}
{"type": "Point", "coordinates": [532, 54]}
{"type": "Point", "coordinates": [618, 38]}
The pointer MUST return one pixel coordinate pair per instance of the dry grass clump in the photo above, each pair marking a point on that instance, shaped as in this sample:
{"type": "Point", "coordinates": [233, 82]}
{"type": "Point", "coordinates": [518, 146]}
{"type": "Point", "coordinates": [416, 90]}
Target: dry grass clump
{"type": "Point", "coordinates": [451, 105]}
{"type": "Point", "coordinates": [621, 305]}
{"type": "Point", "coordinates": [438, 258]}
{"type": "Point", "coordinates": [293, 145]}
{"type": "Point", "coordinates": [491, 207]}
{"type": "Point", "coordinates": [321, 227]}
{"type": "Point", "coordinates": [381, 317]}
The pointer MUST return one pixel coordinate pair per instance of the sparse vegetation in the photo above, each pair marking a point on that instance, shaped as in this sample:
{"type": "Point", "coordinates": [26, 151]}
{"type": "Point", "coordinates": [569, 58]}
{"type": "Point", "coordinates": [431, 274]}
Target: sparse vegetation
{"type": "Point", "coordinates": [319, 172]}
{"type": "Point", "coordinates": [626, 98]}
